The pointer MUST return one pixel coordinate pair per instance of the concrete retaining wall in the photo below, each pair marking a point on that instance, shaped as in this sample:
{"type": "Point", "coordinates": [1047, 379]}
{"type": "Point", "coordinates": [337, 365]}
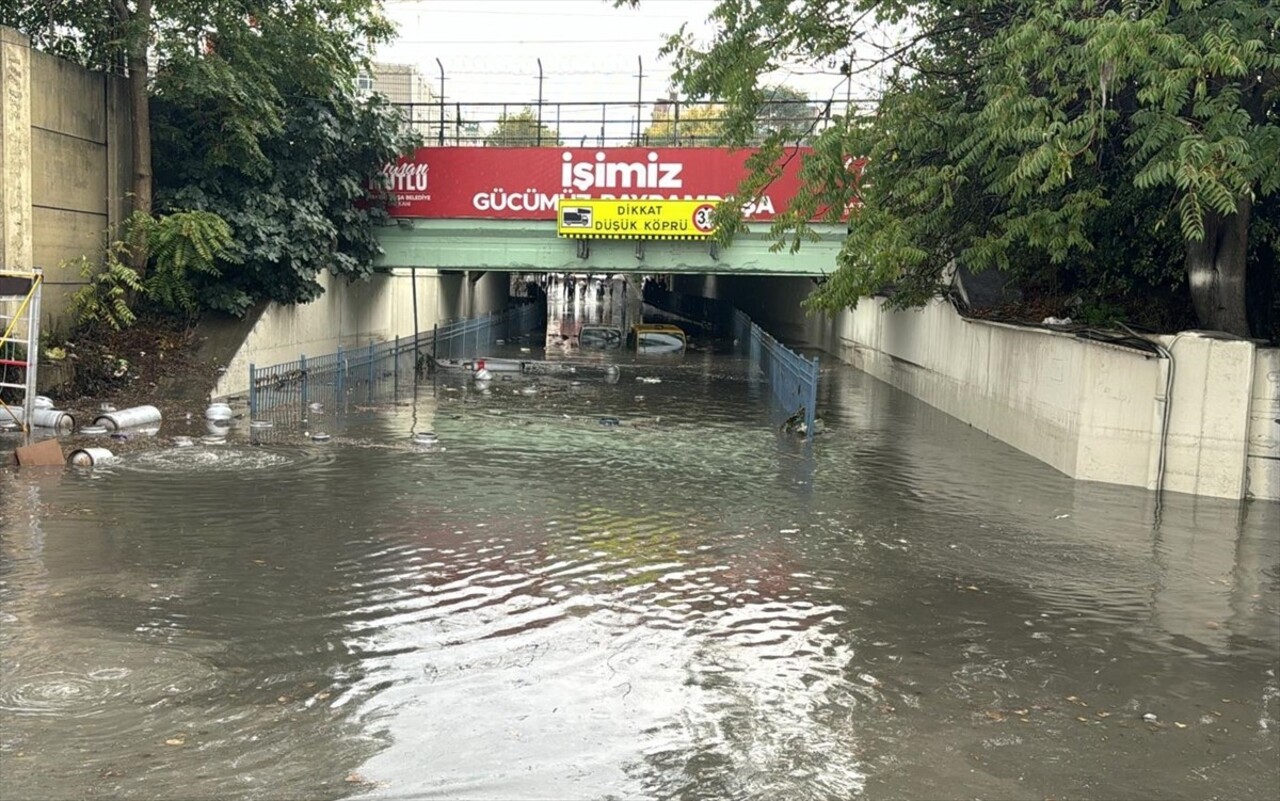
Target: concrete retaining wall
{"type": "Point", "coordinates": [350, 315]}
{"type": "Point", "coordinates": [65, 164]}
{"type": "Point", "coordinates": [1094, 411]}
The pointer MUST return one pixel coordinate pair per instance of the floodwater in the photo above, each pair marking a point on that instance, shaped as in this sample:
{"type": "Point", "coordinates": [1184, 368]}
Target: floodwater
{"type": "Point", "coordinates": [686, 604]}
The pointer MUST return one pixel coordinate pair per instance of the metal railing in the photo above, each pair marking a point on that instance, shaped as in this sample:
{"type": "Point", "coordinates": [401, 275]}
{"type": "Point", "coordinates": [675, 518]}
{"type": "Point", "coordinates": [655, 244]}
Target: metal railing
{"type": "Point", "coordinates": [792, 379]}
{"type": "Point", "coordinates": [372, 372]}
{"type": "Point", "coordinates": [665, 123]}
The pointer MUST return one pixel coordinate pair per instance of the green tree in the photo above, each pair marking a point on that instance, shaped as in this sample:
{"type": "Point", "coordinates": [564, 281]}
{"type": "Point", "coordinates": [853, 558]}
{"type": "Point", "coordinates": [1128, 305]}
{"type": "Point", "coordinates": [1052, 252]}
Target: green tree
{"type": "Point", "coordinates": [254, 116]}
{"type": "Point", "coordinates": [787, 113]}
{"type": "Point", "coordinates": [688, 124]}
{"type": "Point", "coordinates": [327, 40]}
{"type": "Point", "coordinates": [1119, 139]}
{"type": "Point", "coordinates": [521, 129]}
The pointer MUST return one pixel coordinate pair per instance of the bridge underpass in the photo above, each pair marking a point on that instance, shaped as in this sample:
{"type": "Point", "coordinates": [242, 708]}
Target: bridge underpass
{"type": "Point", "coordinates": [534, 247]}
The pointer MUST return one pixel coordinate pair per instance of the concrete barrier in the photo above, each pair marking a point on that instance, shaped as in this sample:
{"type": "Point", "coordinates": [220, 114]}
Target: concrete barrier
{"type": "Point", "coordinates": [350, 315]}
{"type": "Point", "coordinates": [1205, 420]}
{"type": "Point", "coordinates": [1095, 411]}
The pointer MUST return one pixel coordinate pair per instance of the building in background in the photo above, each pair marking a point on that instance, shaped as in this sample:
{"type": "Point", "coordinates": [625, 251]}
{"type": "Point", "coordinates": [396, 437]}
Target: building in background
{"type": "Point", "coordinates": [418, 101]}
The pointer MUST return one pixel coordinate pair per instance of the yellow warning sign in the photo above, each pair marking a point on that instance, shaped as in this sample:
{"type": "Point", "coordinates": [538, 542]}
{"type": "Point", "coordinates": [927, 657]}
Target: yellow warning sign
{"type": "Point", "coordinates": [595, 218]}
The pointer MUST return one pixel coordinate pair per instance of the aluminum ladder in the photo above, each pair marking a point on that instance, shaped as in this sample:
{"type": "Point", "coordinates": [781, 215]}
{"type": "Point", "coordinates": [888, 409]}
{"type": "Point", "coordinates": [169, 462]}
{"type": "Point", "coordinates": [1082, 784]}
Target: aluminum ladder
{"type": "Point", "coordinates": [19, 340]}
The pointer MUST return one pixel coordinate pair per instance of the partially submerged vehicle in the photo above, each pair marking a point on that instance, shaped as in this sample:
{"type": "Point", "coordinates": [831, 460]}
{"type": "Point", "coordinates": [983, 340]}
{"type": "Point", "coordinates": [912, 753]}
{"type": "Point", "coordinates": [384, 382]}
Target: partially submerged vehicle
{"type": "Point", "coordinates": [600, 337]}
{"type": "Point", "coordinates": [658, 338]}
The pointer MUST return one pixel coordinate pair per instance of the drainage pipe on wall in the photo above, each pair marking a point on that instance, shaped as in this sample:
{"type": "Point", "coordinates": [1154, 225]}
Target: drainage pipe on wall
{"type": "Point", "coordinates": [1164, 399]}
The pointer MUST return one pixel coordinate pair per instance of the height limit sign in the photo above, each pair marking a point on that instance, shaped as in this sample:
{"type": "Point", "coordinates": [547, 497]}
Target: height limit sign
{"type": "Point", "coordinates": [704, 218]}
{"type": "Point", "coordinates": [607, 218]}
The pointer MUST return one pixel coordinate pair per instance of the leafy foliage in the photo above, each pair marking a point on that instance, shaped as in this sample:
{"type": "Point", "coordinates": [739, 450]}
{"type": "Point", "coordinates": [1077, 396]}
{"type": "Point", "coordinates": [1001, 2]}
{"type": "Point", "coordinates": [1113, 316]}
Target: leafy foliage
{"type": "Point", "coordinates": [255, 119]}
{"type": "Point", "coordinates": [521, 129]}
{"type": "Point", "coordinates": [1106, 147]}
{"type": "Point", "coordinates": [687, 124]}
{"type": "Point", "coordinates": [184, 248]}
{"type": "Point", "coordinates": [106, 300]}
{"type": "Point", "coordinates": [181, 246]}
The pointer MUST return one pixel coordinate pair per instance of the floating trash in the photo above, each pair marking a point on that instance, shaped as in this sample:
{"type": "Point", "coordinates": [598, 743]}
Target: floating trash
{"type": "Point", "coordinates": [183, 442]}
{"type": "Point", "coordinates": [315, 407]}
{"type": "Point", "coordinates": [8, 425]}
{"type": "Point", "coordinates": [320, 436]}
{"type": "Point", "coordinates": [483, 374]}
{"type": "Point", "coordinates": [260, 424]}
{"type": "Point", "coordinates": [92, 430]}
{"type": "Point", "coordinates": [213, 439]}
{"type": "Point", "coordinates": [648, 379]}
{"type": "Point", "coordinates": [88, 457]}
{"type": "Point", "coordinates": [528, 390]}
{"type": "Point", "coordinates": [106, 408]}
{"type": "Point", "coordinates": [609, 422]}
{"type": "Point", "coordinates": [119, 436]}
{"type": "Point", "coordinates": [425, 438]}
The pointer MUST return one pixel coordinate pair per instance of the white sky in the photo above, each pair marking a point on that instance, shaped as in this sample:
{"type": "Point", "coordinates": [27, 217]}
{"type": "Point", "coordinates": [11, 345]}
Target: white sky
{"type": "Point", "coordinates": [489, 48]}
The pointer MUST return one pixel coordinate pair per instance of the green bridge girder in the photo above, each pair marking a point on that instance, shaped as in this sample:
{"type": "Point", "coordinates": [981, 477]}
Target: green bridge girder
{"type": "Point", "coordinates": [532, 246]}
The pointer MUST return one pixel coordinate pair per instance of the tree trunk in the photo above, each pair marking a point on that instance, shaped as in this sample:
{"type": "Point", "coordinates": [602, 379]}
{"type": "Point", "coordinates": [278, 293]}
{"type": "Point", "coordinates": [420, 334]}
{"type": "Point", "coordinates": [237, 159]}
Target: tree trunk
{"type": "Point", "coordinates": [140, 106]}
{"type": "Point", "coordinates": [1216, 270]}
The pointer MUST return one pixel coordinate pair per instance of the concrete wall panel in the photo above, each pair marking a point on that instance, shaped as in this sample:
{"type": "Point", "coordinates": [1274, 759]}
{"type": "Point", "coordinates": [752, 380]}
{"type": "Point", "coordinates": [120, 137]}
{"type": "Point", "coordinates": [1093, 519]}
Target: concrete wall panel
{"type": "Point", "coordinates": [70, 100]}
{"type": "Point", "coordinates": [68, 173]}
{"type": "Point", "coordinates": [64, 236]}
{"type": "Point", "coordinates": [349, 315]}
{"type": "Point", "coordinates": [1263, 462]}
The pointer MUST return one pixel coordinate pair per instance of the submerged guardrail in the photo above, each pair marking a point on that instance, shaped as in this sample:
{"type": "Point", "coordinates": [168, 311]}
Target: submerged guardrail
{"type": "Point", "coordinates": [792, 378]}
{"type": "Point", "coordinates": [368, 372]}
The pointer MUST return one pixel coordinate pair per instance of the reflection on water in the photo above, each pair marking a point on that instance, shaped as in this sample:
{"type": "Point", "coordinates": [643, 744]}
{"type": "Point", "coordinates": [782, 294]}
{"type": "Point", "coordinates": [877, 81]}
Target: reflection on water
{"type": "Point", "coordinates": [683, 604]}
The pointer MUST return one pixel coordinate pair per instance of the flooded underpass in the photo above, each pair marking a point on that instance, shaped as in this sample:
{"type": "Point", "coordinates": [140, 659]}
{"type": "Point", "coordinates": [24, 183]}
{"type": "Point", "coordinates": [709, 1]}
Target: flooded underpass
{"type": "Point", "coordinates": [628, 586]}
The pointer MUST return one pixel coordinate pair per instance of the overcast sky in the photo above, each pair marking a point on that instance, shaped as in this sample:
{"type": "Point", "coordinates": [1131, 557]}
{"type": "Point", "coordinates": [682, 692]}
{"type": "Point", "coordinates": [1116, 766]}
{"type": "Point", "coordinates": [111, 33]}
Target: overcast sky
{"type": "Point", "coordinates": [589, 50]}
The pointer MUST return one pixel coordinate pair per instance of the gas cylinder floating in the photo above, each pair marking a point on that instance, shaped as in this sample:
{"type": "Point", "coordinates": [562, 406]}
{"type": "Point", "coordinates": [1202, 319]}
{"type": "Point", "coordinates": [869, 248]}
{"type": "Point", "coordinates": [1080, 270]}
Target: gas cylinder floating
{"type": "Point", "coordinates": [128, 418]}
{"type": "Point", "coordinates": [218, 411]}
{"type": "Point", "coordinates": [40, 418]}
{"type": "Point", "coordinates": [88, 457]}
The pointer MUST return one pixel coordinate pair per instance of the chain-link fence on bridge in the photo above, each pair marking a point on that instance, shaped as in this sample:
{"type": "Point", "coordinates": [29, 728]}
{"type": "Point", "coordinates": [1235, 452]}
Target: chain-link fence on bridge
{"type": "Point", "coordinates": [380, 369]}
{"type": "Point", "coordinates": [664, 123]}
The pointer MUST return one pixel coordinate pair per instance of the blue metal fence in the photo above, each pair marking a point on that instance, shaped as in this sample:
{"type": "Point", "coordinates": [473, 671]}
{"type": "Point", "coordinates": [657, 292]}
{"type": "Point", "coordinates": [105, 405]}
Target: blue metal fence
{"type": "Point", "coordinates": [369, 372]}
{"type": "Point", "coordinates": [792, 379]}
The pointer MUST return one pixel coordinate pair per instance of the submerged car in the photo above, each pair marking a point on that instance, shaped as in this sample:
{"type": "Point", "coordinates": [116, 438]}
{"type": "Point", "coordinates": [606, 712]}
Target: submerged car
{"type": "Point", "coordinates": [658, 338]}
{"type": "Point", "coordinates": [602, 337]}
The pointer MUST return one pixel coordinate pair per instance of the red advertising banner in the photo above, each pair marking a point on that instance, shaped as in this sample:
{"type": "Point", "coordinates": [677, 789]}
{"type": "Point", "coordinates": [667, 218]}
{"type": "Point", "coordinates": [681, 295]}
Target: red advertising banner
{"type": "Point", "coordinates": [524, 183]}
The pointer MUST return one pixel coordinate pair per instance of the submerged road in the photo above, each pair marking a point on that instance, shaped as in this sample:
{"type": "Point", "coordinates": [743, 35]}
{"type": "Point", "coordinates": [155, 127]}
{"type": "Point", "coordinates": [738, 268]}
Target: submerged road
{"type": "Point", "coordinates": [685, 604]}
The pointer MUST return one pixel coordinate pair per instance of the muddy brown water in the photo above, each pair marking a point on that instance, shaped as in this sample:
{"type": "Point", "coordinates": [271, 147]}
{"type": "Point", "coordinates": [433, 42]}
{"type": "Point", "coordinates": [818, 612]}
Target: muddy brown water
{"type": "Point", "coordinates": [684, 605]}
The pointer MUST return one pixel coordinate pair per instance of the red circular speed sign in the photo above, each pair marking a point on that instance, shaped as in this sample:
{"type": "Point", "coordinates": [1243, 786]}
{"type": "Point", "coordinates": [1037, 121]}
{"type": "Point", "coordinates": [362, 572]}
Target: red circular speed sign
{"type": "Point", "coordinates": [704, 218]}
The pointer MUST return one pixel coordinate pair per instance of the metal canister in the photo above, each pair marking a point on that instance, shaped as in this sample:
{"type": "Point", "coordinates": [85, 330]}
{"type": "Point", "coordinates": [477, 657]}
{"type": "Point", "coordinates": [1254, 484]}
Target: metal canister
{"type": "Point", "coordinates": [42, 418]}
{"type": "Point", "coordinates": [43, 402]}
{"type": "Point", "coordinates": [218, 411]}
{"type": "Point", "coordinates": [88, 457]}
{"type": "Point", "coordinates": [128, 418]}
